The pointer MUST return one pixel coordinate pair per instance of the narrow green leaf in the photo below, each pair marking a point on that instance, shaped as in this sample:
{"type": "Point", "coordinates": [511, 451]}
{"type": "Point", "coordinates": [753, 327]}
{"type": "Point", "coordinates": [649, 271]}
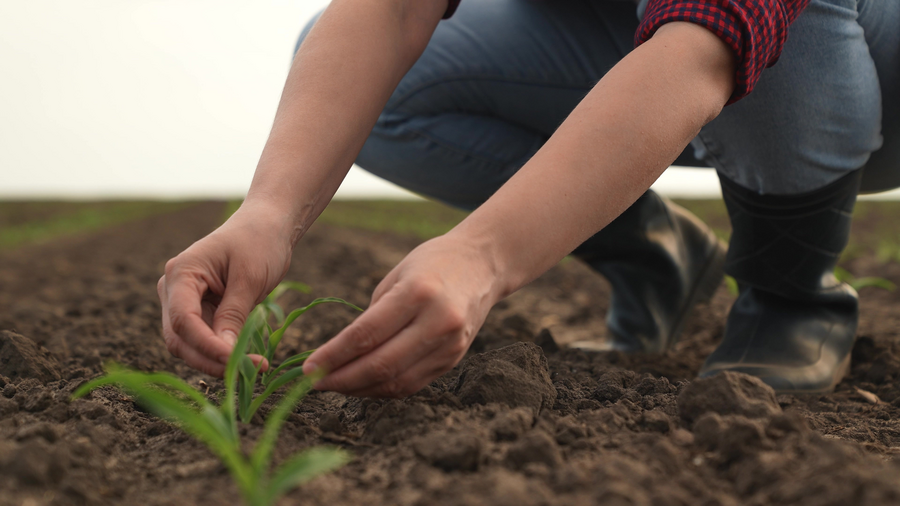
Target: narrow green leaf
{"type": "Point", "coordinates": [732, 286]}
{"type": "Point", "coordinates": [843, 275]}
{"type": "Point", "coordinates": [284, 286]}
{"type": "Point", "coordinates": [231, 369]}
{"type": "Point", "coordinates": [274, 385]}
{"type": "Point", "coordinates": [274, 309]}
{"type": "Point", "coordinates": [303, 467]}
{"type": "Point", "coordinates": [873, 282]}
{"type": "Point", "coordinates": [163, 404]}
{"type": "Point", "coordinates": [276, 336]}
{"type": "Point", "coordinates": [262, 453]}
{"type": "Point", "coordinates": [258, 338]}
{"type": "Point", "coordinates": [245, 387]}
{"type": "Point", "coordinates": [289, 362]}
{"type": "Point", "coordinates": [117, 373]}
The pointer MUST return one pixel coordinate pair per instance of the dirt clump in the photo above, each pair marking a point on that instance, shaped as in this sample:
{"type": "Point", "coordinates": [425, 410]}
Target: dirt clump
{"type": "Point", "coordinates": [20, 357]}
{"type": "Point", "coordinates": [727, 393]}
{"type": "Point", "coordinates": [515, 376]}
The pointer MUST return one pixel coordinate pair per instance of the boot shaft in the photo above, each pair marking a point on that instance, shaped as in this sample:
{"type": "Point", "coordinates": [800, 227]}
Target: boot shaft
{"type": "Point", "coordinates": [789, 245]}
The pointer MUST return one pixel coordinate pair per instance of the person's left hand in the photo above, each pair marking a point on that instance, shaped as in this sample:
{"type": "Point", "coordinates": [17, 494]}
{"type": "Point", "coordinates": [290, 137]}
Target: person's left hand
{"type": "Point", "coordinates": [422, 319]}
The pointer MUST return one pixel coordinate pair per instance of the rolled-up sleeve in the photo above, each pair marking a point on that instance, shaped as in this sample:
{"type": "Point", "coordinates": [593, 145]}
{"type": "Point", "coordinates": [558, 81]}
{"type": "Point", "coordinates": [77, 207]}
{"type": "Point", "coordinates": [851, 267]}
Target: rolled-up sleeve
{"type": "Point", "coordinates": [756, 30]}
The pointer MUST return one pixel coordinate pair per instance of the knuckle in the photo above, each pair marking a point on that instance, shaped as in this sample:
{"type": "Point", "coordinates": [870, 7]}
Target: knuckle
{"type": "Point", "coordinates": [230, 314]}
{"type": "Point", "coordinates": [172, 266]}
{"type": "Point", "coordinates": [454, 321]}
{"type": "Point", "coordinates": [422, 291]}
{"type": "Point", "coordinates": [394, 389]}
{"type": "Point", "coordinates": [456, 348]}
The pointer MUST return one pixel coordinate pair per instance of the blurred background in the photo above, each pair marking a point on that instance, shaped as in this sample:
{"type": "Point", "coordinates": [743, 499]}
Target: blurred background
{"type": "Point", "coordinates": [160, 99]}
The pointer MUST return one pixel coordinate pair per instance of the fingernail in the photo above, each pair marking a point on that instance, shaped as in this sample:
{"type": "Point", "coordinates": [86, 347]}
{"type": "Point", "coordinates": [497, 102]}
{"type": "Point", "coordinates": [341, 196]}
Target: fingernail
{"type": "Point", "coordinates": [229, 337]}
{"type": "Point", "coordinates": [309, 368]}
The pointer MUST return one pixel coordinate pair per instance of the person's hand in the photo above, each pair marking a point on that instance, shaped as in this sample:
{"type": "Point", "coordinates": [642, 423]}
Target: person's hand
{"type": "Point", "coordinates": [210, 288]}
{"type": "Point", "coordinates": [422, 319]}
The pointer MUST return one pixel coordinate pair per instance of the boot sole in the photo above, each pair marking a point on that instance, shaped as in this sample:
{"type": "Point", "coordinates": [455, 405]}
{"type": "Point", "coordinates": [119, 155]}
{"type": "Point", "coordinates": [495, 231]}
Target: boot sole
{"type": "Point", "coordinates": [842, 371]}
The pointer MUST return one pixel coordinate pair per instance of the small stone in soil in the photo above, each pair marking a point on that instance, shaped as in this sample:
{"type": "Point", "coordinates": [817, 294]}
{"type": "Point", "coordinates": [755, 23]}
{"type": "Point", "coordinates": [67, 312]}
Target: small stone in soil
{"type": "Point", "coordinates": [9, 391]}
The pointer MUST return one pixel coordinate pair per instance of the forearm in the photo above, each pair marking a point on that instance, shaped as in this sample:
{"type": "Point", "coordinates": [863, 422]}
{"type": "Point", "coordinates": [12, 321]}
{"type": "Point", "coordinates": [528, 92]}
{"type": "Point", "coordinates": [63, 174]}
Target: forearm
{"type": "Point", "coordinates": [341, 78]}
{"type": "Point", "coordinates": [612, 147]}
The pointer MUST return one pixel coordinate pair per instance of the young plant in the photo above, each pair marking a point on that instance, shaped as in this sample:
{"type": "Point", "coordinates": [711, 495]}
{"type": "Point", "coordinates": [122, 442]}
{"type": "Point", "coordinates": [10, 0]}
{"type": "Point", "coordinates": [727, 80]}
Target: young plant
{"type": "Point", "coordinates": [263, 340]}
{"type": "Point", "coordinates": [859, 283]}
{"type": "Point", "coordinates": [170, 398]}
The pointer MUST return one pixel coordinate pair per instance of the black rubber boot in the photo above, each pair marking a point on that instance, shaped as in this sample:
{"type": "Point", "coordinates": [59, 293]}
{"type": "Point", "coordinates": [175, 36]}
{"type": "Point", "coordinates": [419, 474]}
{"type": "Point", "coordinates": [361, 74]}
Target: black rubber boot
{"type": "Point", "coordinates": [660, 260]}
{"type": "Point", "coordinates": [793, 324]}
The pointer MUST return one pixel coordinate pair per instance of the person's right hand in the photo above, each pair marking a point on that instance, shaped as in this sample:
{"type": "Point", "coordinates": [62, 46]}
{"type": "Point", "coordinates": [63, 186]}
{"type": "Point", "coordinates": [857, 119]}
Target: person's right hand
{"type": "Point", "coordinates": [210, 288]}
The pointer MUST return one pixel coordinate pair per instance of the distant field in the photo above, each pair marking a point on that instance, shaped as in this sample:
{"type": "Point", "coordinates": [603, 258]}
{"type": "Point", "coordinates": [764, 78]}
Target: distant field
{"type": "Point", "coordinates": [27, 222]}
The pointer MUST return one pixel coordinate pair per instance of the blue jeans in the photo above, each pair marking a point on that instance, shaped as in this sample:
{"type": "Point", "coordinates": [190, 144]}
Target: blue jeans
{"type": "Point", "coordinates": [499, 77]}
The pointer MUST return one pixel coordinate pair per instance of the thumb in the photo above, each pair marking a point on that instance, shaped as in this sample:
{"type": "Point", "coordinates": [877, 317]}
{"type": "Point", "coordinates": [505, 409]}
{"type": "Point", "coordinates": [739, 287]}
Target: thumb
{"type": "Point", "coordinates": [237, 302]}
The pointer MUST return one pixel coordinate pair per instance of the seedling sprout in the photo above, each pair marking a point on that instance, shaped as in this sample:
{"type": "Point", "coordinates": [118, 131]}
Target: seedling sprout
{"type": "Point", "coordinates": [172, 399]}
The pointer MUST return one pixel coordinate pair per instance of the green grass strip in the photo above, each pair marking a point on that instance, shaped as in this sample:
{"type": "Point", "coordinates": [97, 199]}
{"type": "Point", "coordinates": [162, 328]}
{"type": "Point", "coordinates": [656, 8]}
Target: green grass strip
{"type": "Point", "coordinates": [54, 219]}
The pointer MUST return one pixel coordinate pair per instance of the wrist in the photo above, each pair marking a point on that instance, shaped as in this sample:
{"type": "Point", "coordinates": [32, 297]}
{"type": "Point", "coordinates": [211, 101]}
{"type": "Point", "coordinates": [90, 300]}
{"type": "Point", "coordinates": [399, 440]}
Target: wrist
{"type": "Point", "coordinates": [487, 253]}
{"type": "Point", "coordinates": [269, 219]}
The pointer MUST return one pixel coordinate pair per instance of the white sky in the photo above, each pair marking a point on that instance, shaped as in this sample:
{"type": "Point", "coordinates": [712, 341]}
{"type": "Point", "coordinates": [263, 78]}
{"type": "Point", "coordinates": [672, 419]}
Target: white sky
{"type": "Point", "coordinates": [158, 98]}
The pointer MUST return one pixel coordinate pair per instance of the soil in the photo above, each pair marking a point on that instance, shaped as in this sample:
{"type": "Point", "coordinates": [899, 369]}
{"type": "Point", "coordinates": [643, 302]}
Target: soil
{"type": "Point", "coordinates": [521, 421]}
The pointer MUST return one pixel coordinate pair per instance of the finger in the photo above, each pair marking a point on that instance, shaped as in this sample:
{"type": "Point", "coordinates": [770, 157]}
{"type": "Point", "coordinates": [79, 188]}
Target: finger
{"type": "Point", "coordinates": [375, 326]}
{"type": "Point", "coordinates": [195, 359]}
{"type": "Point", "coordinates": [429, 332]}
{"type": "Point", "coordinates": [259, 359]}
{"type": "Point", "coordinates": [384, 286]}
{"type": "Point", "coordinates": [230, 316]}
{"type": "Point", "coordinates": [413, 380]}
{"type": "Point", "coordinates": [185, 319]}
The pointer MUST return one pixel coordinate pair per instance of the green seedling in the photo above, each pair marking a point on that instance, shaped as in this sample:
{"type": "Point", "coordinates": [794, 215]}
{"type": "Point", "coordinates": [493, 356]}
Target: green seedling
{"type": "Point", "coordinates": [732, 286]}
{"type": "Point", "coordinates": [172, 399]}
{"type": "Point", "coordinates": [844, 276]}
{"type": "Point", "coordinates": [263, 340]}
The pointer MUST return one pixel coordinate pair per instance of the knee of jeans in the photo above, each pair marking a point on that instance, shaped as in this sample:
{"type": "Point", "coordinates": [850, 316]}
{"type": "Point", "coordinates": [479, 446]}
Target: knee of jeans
{"type": "Point", "coordinates": [306, 30]}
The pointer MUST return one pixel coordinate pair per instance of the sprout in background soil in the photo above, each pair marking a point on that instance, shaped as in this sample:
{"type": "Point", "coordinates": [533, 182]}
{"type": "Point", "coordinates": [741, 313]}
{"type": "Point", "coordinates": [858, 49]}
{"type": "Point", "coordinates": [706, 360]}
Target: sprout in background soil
{"type": "Point", "coordinates": [842, 275]}
{"type": "Point", "coordinates": [859, 283]}
{"type": "Point", "coordinates": [170, 398]}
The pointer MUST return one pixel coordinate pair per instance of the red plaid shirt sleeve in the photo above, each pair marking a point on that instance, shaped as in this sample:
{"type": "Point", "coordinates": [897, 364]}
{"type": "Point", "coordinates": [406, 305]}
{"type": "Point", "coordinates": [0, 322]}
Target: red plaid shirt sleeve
{"type": "Point", "coordinates": [756, 30]}
{"type": "Point", "coordinates": [451, 8]}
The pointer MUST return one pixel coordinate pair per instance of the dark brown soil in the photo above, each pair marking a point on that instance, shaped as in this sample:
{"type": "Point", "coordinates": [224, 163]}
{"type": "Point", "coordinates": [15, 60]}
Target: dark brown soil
{"type": "Point", "coordinates": [516, 423]}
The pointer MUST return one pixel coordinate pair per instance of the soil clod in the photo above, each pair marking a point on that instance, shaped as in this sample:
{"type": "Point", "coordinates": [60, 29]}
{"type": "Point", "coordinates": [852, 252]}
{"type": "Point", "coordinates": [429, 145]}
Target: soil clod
{"type": "Point", "coordinates": [450, 452]}
{"type": "Point", "coordinates": [20, 357]}
{"type": "Point", "coordinates": [517, 375]}
{"type": "Point", "coordinates": [727, 393]}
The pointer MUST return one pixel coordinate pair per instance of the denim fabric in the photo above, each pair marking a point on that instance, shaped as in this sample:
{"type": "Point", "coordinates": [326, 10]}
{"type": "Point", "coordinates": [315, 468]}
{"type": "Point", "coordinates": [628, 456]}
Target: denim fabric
{"type": "Point", "coordinates": [831, 101]}
{"type": "Point", "coordinates": [500, 76]}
